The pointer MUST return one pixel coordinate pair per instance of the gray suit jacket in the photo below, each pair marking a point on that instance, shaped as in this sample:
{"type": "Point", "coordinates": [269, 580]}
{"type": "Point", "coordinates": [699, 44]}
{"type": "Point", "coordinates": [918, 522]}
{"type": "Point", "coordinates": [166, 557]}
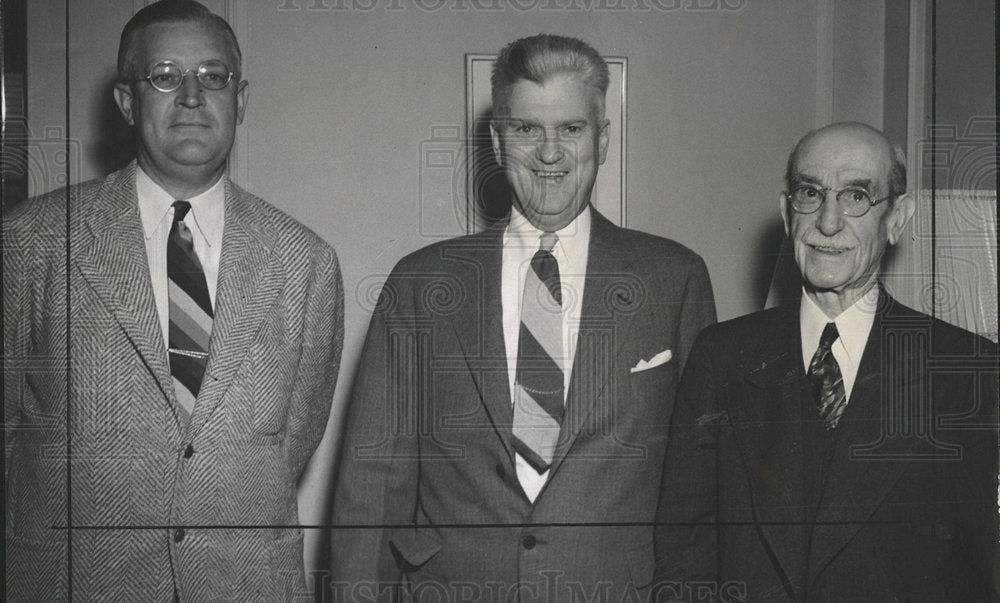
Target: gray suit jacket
{"type": "Point", "coordinates": [93, 439]}
{"type": "Point", "coordinates": [427, 468]}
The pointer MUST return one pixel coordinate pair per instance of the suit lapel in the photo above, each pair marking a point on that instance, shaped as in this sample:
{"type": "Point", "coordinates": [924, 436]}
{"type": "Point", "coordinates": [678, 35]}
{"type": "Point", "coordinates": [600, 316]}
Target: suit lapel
{"type": "Point", "coordinates": [111, 256]}
{"type": "Point", "coordinates": [610, 298]}
{"type": "Point", "coordinates": [867, 460]}
{"type": "Point", "coordinates": [478, 325]}
{"type": "Point", "coordinates": [765, 409]}
{"type": "Point", "coordinates": [250, 279]}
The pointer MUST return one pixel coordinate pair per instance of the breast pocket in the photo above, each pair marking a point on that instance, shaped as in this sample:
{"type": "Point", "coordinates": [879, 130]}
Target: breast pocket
{"type": "Point", "coordinates": [275, 366]}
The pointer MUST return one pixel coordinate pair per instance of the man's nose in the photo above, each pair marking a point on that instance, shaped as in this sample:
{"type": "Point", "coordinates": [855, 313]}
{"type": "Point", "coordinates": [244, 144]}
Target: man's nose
{"type": "Point", "coordinates": [830, 220]}
{"type": "Point", "coordinates": [550, 149]}
{"type": "Point", "coordinates": [190, 94]}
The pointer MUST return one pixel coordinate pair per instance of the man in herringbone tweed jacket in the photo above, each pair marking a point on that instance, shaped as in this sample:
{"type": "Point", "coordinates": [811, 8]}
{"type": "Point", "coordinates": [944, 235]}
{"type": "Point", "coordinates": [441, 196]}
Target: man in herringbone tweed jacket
{"type": "Point", "coordinates": [115, 490]}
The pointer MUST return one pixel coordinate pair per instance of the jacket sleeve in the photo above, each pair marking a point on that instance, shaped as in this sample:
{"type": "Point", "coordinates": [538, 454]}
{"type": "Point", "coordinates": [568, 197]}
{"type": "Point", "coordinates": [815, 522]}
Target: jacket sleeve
{"type": "Point", "coordinates": [685, 534]}
{"type": "Point", "coordinates": [376, 488]}
{"type": "Point", "coordinates": [323, 340]}
{"type": "Point", "coordinates": [697, 309]}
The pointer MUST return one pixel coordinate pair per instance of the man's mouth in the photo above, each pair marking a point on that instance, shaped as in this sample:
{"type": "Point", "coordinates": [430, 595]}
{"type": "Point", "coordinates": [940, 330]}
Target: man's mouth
{"type": "Point", "coordinates": [828, 249]}
{"type": "Point", "coordinates": [551, 175]}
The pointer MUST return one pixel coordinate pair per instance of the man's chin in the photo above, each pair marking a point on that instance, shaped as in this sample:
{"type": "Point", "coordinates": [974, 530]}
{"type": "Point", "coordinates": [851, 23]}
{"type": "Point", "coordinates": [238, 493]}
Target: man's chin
{"type": "Point", "coordinates": [549, 219]}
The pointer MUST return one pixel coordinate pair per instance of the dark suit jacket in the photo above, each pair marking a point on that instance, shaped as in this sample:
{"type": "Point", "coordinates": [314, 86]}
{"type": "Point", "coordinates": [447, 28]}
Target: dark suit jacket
{"type": "Point", "coordinates": [427, 463]}
{"type": "Point", "coordinates": [97, 444]}
{"type": "Point", "coordinates": [909, 507]}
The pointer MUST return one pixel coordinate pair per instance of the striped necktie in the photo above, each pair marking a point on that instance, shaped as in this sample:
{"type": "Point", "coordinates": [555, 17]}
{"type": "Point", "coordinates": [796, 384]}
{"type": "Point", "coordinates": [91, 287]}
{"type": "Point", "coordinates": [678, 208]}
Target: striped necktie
{"type": "Point", "coordinates": [827, 380]}
{"type": "Point", "coordinates": [538, 381]}
{"type": "Point", "coordinates": [190, 311]}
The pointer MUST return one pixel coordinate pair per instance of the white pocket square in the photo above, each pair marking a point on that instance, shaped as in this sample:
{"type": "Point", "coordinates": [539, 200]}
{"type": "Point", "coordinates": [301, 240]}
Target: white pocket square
{"type": "Point", "coordinates": [661, 358]}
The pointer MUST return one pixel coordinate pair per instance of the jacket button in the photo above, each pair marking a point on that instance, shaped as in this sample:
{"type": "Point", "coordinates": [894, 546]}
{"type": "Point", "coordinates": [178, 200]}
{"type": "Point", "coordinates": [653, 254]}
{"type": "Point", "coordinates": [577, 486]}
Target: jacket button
{"type": "Point", "coordinates": [178, 534]}
{"type": "Point", "coordinates": [189, 451]}
{"type": "Point", "coordinates": [500, 471]}
{"type": "Point", "coordinates": [528, 542]}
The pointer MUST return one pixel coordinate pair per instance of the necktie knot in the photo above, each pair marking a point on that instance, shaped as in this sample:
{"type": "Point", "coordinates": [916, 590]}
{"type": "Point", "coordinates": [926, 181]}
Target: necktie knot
{"type": "Point", "coordinates": [548, 241]}
{"type": "Point", "coordinates": [829, 335]}
{"type": "Point", "coordinates": [181, 208]}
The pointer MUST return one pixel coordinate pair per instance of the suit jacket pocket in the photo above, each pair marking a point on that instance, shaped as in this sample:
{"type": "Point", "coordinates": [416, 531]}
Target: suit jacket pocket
{"type": "Point", "coordinates": [414, 548]}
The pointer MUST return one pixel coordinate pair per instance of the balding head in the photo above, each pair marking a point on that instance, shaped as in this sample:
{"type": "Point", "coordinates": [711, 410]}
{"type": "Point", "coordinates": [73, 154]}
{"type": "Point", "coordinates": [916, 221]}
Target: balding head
{"type": "Point", "coordinates": [894, 176]}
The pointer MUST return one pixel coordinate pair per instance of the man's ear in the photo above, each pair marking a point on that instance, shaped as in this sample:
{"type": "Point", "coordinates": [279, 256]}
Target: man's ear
{"type": "Point", "coordinates": [242, 94]}
{"type": "Point", "coordinates": [783, 206]}
{"type": "Point", "coordinates": [495, 137]}
{"type": "Point", "coordinates": [901, 212]}
{"type": "Point", "coordinates": [123, 98]}
{"type": "Point", "coordinates": [603, 136]}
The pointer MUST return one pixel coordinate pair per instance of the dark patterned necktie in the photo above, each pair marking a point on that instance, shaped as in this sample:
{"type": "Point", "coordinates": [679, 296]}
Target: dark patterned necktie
{"type": "Point", "coordinates": [190, 311]}
{"type": "Point", "coordinates": [538, 381]}
{"type": "Point", "coordinates": [827, 381]}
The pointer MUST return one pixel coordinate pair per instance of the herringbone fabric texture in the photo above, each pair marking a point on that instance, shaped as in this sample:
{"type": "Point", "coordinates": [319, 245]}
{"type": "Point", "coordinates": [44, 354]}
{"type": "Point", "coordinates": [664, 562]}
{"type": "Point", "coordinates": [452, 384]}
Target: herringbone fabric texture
{"type": "Point", "coordinates": [827, 380]}
{"type": "Point", "coordinates": [538, 382]}
{"type": "Point", "coordinates": [102, 445]}
{"type": "Point", "coordinates": [190, 311]}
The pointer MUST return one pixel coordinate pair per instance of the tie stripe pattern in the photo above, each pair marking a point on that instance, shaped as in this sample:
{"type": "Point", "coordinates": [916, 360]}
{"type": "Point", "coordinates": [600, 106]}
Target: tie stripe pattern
{"type": "Point", "coordinates": [190, 311]}
{"type": "Point", "coordinates": [827, 380]}
{"type": "Point", "coordinates": [538, 381]}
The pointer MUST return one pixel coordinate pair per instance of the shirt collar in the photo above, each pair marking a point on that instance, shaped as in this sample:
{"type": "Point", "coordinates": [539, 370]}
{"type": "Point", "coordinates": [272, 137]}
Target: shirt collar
{"type": "Point", "coordinates": [207, 208]}
{"type": "Point", "coordinates": [573, 238]}
{"type": "Point", "coordinates": [853, 324]}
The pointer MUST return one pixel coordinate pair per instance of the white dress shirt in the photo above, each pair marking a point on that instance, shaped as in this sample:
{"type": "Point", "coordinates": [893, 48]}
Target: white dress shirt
{"type": "Point", "coordinates": [853, 325]}
{"type": "Point", "coordinates": [520, 242]}
{"type": "Point", "coordinates": [205, 220]}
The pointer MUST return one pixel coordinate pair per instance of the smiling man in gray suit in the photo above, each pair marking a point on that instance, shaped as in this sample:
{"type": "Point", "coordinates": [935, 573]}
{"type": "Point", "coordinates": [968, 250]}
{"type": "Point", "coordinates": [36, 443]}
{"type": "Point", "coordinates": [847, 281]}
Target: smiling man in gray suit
{"type": "Point", "coordinates": [506, 434]}
{"type": "Point", "coordinates": [203, 330]}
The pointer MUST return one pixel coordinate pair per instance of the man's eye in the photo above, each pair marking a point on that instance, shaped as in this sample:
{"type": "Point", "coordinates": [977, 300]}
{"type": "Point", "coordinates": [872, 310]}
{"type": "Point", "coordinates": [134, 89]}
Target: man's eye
{"type": "Point", "coordinates": [574, 129]}
{"type": "Point", "coordinates": [810, 192]}
{"type": "Point", "coordinates": [859, 196]}
{"type": "Point", "coordinates": [524, 129]}
{"type": "Point", "coordinates": [163, 79]}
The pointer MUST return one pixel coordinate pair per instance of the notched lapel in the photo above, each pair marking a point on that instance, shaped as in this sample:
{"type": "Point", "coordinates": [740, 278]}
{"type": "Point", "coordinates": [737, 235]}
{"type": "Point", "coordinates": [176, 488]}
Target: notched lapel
{"type": "Point", "coordinates": [250, 279]}
{"type": "Point", "coordinates": [613, 296]}
{"type": "Point", "coordinates": [111, 256]}
{"type": "Point", "coordinates": [478, 326]}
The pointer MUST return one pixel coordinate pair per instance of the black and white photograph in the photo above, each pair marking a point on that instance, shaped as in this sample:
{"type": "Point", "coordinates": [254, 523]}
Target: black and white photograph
{"type": "Point", "coordinates": [506, 301]}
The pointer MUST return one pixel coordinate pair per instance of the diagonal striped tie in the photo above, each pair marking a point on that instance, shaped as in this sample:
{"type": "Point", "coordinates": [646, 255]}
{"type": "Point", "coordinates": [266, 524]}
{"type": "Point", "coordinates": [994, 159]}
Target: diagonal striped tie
{"type": "Point", "coordinates": [190, 311]}
{"type": "Point", "coordinates": [538, 382]}
{"type": "Point", "coordinates": [827, 380]}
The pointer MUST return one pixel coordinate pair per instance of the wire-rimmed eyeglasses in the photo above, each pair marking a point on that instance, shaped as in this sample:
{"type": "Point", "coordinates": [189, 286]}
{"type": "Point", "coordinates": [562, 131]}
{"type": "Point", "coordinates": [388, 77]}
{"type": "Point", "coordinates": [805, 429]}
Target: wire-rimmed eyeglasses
{"type": "Point", "coordinates": [167, 76]}
{"type": "Point", "coordinates": [852, 201]}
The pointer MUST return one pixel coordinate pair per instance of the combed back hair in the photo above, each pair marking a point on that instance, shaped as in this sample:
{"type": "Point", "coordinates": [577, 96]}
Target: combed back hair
{"type": "Point", "coordinates": [169, 11]}
{"type": "Point", "coordinates": [541, 57]}
{"type": "Point", "coordinates": [896, 179]}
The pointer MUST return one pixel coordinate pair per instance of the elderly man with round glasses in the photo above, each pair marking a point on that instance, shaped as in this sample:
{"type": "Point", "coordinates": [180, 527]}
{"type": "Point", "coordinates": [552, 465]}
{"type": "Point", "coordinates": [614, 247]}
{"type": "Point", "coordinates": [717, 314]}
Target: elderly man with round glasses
{"type": "Point", "coordinates": [203, 329]}
{"type": "Point", "coordinates": [843, 448]}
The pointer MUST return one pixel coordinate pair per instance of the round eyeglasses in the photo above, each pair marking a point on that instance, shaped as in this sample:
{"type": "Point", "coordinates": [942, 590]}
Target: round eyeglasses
{"type": "Point", "coordinates": [852, 201]}
{"type": "Point", "coordinates": [168, 76]}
